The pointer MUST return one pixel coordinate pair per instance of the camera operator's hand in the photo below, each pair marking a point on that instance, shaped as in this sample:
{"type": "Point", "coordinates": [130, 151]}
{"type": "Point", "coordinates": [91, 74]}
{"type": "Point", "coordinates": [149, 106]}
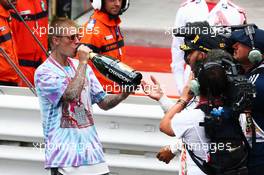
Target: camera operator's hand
{"type": "Point", "coordinates": [154, 90]}
{"type": "Point", "coordinates": [165, 154]}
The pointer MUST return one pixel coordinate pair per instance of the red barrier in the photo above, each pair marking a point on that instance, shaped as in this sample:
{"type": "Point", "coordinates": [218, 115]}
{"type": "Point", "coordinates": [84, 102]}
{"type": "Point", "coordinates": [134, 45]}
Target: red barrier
{"type": "Point", "coordinates": [148, 59]}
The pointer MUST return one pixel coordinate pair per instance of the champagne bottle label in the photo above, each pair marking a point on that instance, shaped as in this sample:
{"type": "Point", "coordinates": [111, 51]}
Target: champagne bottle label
{"type": "Point", "coordinates": [125, 67]}
{"type": "Point", "coordinates": [120, 76]}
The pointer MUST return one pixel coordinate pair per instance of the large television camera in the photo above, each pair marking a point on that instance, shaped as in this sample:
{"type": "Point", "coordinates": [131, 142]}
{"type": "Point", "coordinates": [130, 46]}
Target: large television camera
{"type": "Point", "coordinates": [203, 37]}
{"type": "Point", "coordinates": [241, 91]}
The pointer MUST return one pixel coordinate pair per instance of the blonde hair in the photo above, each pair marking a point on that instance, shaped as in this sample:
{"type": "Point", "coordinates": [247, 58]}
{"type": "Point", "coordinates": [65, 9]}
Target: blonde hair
{"type": "Point", "coordinates": [60, 26]}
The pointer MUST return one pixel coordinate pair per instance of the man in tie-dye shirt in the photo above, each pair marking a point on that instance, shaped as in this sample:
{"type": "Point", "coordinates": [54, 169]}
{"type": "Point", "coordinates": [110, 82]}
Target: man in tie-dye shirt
{"type": "Point", "coordinates": [67, 88]}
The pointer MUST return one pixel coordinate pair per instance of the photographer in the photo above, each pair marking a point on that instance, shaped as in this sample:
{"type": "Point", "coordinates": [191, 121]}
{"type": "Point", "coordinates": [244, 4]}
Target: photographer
{"type": "Point", "coordinates": [220, 131]}
{"type": "Point", "coordinates": [245, 45]}
{"type": "Point", "coordinates": [184, 124]}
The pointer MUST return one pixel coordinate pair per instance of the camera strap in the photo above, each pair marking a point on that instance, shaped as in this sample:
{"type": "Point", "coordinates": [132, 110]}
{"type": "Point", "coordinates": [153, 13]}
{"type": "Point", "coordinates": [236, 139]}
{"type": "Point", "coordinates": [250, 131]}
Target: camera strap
{"type": "Point", "coordinates": [197, 160]}
{"type": "Point", "coordinates": [254, 139]}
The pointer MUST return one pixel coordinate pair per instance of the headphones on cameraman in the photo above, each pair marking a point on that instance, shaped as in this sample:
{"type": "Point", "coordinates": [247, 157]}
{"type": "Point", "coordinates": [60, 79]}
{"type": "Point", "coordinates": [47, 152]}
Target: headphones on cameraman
{"type": "Point", "coordinates": [254, 56]}
{"type": "Point", "coordinates": [194, 84]}
{"type": "Point", "coordinates": [97, 5]}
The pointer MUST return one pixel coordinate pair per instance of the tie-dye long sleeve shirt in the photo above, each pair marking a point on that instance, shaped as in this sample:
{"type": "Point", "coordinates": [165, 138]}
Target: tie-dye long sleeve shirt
{"type": "Point", "coordinates": [66, 143]}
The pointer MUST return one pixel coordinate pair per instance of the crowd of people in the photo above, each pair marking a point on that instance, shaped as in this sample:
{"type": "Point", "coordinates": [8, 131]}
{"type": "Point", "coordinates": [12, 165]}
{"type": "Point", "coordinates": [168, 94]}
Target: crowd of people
{"type": "Point", "coordinates": [68, 87]}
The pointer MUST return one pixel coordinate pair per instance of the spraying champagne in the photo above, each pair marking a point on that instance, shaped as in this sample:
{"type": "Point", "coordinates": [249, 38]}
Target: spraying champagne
{"type": "Point", "coordinates": [116, 70]}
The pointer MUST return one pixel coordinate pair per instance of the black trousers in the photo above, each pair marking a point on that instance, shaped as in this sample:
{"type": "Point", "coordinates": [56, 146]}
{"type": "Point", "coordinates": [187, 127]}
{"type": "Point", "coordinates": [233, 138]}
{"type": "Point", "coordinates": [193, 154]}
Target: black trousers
{"type": "Point", "coordinates": [54, 171]}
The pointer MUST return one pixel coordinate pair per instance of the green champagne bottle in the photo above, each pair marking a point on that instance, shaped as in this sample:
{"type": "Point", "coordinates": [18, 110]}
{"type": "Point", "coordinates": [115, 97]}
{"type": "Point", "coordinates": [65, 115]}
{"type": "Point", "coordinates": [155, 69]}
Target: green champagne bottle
{"type": "Point", "coordinates": [115, 70]}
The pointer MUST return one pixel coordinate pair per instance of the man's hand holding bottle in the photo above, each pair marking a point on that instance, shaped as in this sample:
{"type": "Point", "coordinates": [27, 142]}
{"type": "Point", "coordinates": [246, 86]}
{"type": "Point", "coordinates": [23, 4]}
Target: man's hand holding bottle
{"type": "Point", "coordinates": [113, 69]}
{"type": "Point", "coordinates": [83, 53]}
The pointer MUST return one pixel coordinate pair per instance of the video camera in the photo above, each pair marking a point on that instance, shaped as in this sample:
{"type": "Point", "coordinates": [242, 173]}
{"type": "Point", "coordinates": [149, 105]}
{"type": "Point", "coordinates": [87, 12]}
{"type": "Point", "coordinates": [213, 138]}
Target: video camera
{"type": "Point", "coordinates": [203, 37]}
{"type": "Point", "coordinates": [241, 91]}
